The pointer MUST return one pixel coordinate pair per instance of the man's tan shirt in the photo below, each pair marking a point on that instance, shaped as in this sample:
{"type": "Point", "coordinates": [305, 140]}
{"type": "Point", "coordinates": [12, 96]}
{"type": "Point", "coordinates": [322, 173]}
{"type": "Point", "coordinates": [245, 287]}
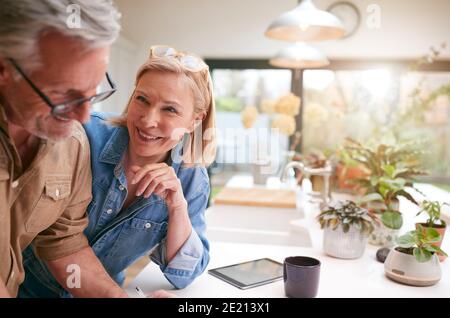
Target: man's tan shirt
{"type": "Point", "coordinates": [44, 205]}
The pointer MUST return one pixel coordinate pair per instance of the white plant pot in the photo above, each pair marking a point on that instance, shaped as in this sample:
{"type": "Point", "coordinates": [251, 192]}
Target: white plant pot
{"type": "Point", "coordinates": [383, 236]}
{"type": "Point", "coordinates": [348, 245]}
{"type": "Point", "coordinates": [405, 269]}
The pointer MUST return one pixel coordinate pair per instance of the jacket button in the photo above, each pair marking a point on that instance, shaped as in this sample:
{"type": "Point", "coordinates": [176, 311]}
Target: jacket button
{"type": "Point", "coordinates": [109, 211]}
{"type": "Point", "coordinates": [15, 184]}
{"type": "Point", "coordinates": [148, 225]}
{"type": "Point", "coordinates": [121, 188]}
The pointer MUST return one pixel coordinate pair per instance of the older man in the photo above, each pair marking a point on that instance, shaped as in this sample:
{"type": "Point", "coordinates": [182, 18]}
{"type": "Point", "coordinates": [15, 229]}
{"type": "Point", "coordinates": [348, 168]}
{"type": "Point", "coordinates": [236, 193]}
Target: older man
{"type": "Point", "coordinates": [50, 69]}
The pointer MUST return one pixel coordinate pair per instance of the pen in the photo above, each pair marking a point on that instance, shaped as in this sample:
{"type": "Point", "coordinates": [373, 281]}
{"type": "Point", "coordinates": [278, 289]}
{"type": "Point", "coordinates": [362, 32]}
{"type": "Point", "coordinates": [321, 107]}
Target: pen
{"type": "Point", "coordinates": [140, 292]}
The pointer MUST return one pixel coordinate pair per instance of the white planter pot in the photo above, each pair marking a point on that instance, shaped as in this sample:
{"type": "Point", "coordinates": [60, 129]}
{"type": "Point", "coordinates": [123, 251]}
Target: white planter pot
{"type": "Point", "coordinates": [348, 245]}
{"type": "Point", "coordinates": [383, 236]}
{"type": "Point", "coordinates": [405, 269]}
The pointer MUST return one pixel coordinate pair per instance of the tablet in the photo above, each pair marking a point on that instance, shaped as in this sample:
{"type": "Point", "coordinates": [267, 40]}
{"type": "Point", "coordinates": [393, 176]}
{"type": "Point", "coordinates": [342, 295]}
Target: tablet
{"type": "Point", "coordinates": [250, 274]}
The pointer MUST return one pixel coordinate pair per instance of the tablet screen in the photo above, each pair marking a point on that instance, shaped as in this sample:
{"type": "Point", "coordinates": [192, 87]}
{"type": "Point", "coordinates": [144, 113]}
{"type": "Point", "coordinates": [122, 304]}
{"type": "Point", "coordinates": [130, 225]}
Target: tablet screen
{"type": "Point", "coordinates": [250, 274]}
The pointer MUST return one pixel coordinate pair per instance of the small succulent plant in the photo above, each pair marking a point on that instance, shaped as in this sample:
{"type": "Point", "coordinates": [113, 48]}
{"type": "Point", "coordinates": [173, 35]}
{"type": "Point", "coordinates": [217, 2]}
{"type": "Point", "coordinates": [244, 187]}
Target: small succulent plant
{"type": "Point", "coordinates": [347, 214]}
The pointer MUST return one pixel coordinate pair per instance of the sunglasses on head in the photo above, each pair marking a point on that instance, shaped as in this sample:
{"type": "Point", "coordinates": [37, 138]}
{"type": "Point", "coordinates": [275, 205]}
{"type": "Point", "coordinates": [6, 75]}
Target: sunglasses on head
{"type": "Point", "coordinates": [190, 62]}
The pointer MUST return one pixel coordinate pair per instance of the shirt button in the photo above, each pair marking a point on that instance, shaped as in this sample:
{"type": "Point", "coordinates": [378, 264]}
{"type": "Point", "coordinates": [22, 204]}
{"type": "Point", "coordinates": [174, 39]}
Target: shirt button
{"type": "Point", "coordinates": [148, 225]}
{"type": "Point", "coordinates": [15, 184]}
{"type": "Point", "coordinates": [121, 188]}
{"type": "Point", "coordinates": [109, 211]}
{"type": "Point", "coordinates": [57, 193]}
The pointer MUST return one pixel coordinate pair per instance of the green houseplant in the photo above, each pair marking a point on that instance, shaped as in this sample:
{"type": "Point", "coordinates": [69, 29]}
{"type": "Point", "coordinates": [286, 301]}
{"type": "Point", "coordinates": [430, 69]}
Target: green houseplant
{"type": "Point", "coordinates": [346, 171]}
{"type": "Point", "coordinates": [433, 210]}
{"type": "Point", "coordinates": [347, 227]}
{"type": "Point", "coordinates": [414, 261]}
{"type": "Point", "coordinates": [420, 243]}
{"type": "Point", "coordinates": [434, 221]}
{"type": "Point", "coordinates": [390, 169]}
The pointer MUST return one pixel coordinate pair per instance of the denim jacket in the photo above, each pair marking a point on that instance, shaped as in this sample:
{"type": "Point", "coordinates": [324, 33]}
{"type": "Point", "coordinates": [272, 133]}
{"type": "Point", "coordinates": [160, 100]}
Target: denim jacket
{"type": "Point", "coordinates": [120, 236]}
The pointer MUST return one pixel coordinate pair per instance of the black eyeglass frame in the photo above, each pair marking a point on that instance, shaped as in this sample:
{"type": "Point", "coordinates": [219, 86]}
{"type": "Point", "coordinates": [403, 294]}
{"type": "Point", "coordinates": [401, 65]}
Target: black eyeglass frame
{"type": "Point", "coordinates": [66, 107]}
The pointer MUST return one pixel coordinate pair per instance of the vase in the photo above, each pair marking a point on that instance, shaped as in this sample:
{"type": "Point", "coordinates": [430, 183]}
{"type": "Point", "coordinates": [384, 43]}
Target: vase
{"type": "Point", "coordinates": [383, 236]}
{"type": "Point", "coordinates": [404, 268]}
{"type": "Point", "coordinates": [348, 245]}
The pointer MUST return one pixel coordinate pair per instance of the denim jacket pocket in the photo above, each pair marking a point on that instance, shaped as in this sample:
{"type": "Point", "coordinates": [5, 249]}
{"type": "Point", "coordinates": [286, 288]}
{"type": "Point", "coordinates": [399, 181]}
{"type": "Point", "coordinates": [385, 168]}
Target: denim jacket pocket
{"type": "Point", "coordinates": [137, 237]}
{"type": "Point", "coordinates": [50, 204]}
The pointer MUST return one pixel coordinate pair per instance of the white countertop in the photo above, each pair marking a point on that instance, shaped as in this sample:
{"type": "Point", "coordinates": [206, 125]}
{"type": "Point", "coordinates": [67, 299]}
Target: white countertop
{"type": "Point", "coordinates": [279, 233]}
{"type": "Point", "coordinates": [363, 277]}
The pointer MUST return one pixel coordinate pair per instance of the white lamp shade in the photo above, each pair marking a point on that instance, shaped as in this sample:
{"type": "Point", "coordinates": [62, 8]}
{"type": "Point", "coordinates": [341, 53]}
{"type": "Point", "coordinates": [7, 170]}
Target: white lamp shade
{"type": "Point", "coordinates": [306, 23]}
{"type": "Point", "coordinates": [299, 55]}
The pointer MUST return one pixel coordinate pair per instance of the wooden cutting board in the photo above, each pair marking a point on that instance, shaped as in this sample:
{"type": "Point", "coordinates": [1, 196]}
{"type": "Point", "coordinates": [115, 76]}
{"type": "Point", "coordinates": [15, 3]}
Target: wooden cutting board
{"type": "Point", "coordinates": [275, 198]}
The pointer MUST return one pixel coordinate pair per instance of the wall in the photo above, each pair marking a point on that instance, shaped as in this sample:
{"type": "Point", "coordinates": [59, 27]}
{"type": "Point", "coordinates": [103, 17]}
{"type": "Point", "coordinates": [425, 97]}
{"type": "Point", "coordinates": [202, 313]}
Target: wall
{"type": "Point", "coordinates": [122, 69]}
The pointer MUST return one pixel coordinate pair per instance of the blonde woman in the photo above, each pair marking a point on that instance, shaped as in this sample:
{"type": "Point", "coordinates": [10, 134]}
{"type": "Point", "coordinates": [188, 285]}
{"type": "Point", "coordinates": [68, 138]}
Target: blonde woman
{"type": "Point", "coordinates": [150, 185]}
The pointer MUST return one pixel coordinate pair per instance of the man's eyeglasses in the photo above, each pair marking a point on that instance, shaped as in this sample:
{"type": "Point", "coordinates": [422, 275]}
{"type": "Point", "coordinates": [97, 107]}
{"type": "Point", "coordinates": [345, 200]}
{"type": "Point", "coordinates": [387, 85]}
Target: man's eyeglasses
{"type": "Point", "coordinates": [62, 109]}
{"type": "Point", "coordinates": [190, 62]}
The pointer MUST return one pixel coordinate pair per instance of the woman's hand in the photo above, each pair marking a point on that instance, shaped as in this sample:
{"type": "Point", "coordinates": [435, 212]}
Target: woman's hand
{"type": "Point", "coordinates": [160, 179]}
{"type": "Point", "coordinates": [162, 294]}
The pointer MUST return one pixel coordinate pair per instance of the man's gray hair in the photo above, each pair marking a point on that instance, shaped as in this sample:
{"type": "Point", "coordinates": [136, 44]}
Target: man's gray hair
{"type": "Point", "coordinates": [22, 22]}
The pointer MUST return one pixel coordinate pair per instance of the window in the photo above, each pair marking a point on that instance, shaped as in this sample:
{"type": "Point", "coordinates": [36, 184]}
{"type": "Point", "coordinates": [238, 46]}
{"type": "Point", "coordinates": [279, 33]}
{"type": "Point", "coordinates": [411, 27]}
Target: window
{"type": "Point", "coordinates": [234, 91]}
{"type": "Point", "coordinates": [358, 99]}
{"type": "Point", "coordinates": [379, 103]}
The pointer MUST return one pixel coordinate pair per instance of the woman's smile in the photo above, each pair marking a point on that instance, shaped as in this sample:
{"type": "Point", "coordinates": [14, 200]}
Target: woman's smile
{"type": "Point", "coordinates": [146, 137]}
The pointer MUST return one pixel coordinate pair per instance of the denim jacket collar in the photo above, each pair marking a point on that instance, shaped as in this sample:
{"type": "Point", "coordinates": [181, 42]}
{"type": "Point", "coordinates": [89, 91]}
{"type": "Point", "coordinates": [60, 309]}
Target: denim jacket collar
{"type": "Point", "coordinates": [115, 147]}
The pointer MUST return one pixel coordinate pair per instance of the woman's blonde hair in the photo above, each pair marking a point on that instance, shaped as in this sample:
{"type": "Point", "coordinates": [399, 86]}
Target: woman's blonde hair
{"type": "Point", "coordinates": [200, 147]}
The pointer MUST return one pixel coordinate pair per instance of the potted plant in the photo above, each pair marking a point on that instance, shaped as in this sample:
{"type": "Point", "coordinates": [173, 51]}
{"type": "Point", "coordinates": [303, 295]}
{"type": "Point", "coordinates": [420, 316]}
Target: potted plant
{"type": "Point", "coordinates": [414, 260]}
{"type": "Point", "coordinates": [347, 171]}
{"type": "Point", "coordinates": [391, 169]}
{"type": "Point", "coordinates": [384, 206]}
{"type": "Point", "coordinates": [433, 210]}
{"type": "Point", "coordinates": [347, 227]}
